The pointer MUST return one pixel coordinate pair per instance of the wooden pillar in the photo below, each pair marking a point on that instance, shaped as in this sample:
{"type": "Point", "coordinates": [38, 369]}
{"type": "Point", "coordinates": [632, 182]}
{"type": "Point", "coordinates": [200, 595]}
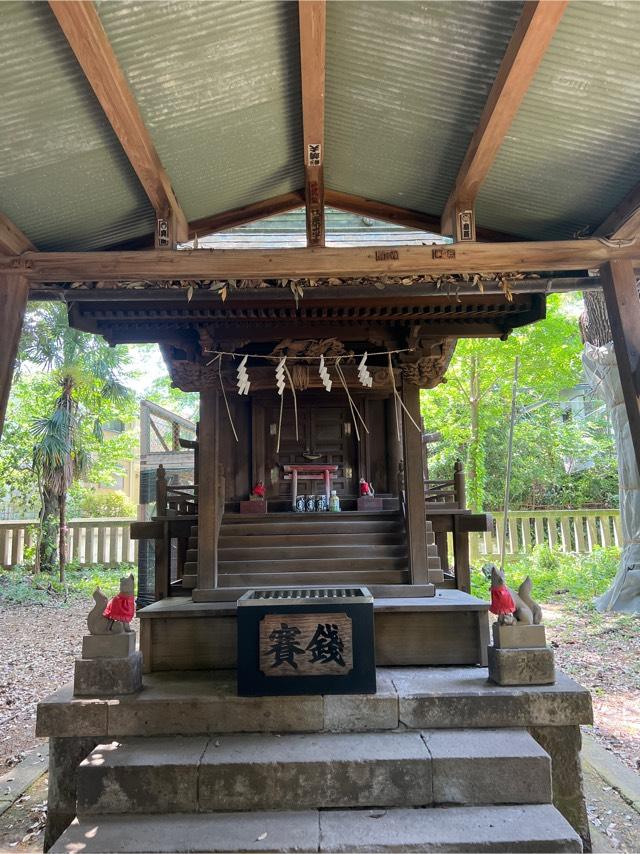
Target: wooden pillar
{"type": "Point", "coordinates": [623, 307]}
{"type": "Point", "coordinates": [14, 291]}
{"type": "Point", "coordinates": [394, 447]}
{"type": "Point", "coordinates": [208, 491]}
{"type": "Point", "coordinates": [414, 485]}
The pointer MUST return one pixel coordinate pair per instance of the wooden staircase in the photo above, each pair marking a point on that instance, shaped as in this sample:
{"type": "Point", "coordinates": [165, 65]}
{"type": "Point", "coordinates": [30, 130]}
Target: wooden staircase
{"type": "Point", "coordinates": [284, 549]}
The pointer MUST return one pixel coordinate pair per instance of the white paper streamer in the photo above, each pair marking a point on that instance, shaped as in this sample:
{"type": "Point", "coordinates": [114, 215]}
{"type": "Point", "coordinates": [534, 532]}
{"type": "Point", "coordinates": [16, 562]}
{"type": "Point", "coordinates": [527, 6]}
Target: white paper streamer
{"type": "Point", "coordinates": [324, 375]}
{"type": "Point", "coordinates": [363, 373]}
{"type": "Point", "coordinates": [243, 377]}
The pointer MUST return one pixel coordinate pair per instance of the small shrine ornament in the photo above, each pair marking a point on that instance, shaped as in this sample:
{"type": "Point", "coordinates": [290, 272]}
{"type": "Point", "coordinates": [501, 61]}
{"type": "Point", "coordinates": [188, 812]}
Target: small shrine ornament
{"type": "Point", "coordinates": [258, 492]}
{"type": "Point", "coordinates": [366, 489]}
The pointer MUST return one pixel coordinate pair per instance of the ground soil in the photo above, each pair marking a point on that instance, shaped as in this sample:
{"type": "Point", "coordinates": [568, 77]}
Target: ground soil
{"type": "Point", "coordinates": [602, 652]}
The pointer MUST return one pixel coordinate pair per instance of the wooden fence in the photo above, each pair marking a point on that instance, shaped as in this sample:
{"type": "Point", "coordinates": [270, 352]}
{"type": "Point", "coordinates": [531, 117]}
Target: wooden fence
{"type": "Point", "coordinates": [89, 541]}
{"type": "Point", "coordinates": [570, 531]}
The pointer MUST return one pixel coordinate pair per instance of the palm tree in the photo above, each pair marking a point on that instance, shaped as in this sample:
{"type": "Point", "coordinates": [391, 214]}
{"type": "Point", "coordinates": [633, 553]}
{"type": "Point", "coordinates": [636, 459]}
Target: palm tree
{"type": "Point", "coordinates": [87, 371]}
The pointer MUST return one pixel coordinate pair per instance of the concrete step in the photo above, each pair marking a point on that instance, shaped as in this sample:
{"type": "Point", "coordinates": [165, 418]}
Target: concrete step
{"type": "Point", "coordinates": [268, 772]}
{"type": "Point", "coordinates": [465, 829]}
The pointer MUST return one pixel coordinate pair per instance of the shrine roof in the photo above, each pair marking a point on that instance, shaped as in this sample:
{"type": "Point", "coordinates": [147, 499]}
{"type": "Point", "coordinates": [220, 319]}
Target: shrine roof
{"type": "Point", "coordinates": [218, 87]}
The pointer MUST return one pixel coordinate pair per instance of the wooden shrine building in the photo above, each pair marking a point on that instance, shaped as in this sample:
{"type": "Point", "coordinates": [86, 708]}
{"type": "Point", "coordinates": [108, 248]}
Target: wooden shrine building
{"type": "Point", "coordinates": [505, 131]}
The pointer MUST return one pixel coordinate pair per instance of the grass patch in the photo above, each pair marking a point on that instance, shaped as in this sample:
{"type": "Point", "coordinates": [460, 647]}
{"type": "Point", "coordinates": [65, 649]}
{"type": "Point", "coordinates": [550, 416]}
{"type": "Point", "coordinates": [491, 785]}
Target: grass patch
{"type": "Point", "coordinates": [19, 586]}
{"type": "Point", "coordinates": [556, 575]}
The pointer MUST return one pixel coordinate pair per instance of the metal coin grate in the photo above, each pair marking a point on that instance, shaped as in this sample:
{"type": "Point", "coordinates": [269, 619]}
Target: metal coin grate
{"type": "Point", "coordinates": [308, 593]}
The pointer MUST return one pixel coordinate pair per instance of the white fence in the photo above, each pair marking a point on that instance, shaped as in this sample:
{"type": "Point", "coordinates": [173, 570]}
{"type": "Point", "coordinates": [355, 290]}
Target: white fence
{"type": "Point", "coordinates": [570, 531]}
{"type": "Point", "coordinates": [89, 541]}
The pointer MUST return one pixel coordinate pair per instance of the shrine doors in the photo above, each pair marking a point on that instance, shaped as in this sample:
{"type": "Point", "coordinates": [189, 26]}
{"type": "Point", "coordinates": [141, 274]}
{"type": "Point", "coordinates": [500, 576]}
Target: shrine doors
{"type": "Point", "coordinates": [325, 435]}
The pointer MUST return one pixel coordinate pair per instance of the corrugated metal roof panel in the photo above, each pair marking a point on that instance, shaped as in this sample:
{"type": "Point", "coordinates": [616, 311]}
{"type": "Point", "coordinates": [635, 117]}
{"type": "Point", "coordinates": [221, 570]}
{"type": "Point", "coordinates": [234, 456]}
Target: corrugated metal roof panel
{"type": "Point", "coordinates": [218, 86]}
{"type": "Point", "coordinates": [63, 177]}
{"type": "Point", "coordinates": [406, 83]}
{"type": "Point", "coordinates": [342, 229]}
{"type": "Point", "coordinates": [572, 152]}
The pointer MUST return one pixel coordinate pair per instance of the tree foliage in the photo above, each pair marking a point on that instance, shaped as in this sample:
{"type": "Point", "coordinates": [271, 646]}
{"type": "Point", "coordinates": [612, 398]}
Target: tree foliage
{"type": "Point", "coordinates": [553, 446]}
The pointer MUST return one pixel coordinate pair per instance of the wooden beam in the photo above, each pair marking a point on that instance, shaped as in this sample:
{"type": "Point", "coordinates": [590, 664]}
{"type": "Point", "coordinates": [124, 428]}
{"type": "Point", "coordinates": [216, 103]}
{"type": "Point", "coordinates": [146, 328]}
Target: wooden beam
{"type": "Point", "coordinates": [531, 37]}
{"type": "Point", "coordinates": [12, 240]}
{"type": "Point", "coordinates": [247, 213]}
{"type": "Point", "coordinates": [14, 291]}
{"type": "Point", "coordinates": [400, 216]}
{"type": "Point", "coordinates": [624, 220]}
{"type": "Point", "coordinates": [312, 21]}
{"type": "Point", "coordinates": [81, 25]}
{"type": "Point", "coordinates": [619, 285]}
{"type": "Point", "coordinates": [344, 262]}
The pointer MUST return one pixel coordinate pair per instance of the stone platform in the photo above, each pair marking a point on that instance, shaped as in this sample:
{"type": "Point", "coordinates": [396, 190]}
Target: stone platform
{"type": "Point", "coordinates": [418, 703]}
{"type": "Point", "coordinates": [449, 628]}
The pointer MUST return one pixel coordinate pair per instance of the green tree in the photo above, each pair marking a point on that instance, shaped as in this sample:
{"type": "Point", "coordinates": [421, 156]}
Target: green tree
{"type": "Point", "coordinates": [472, 410]}
{"type": "Point", "coordinates": [86, 374]}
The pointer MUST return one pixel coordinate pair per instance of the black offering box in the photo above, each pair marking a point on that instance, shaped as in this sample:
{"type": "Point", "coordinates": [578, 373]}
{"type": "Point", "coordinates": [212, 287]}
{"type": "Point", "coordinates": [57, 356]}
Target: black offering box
{"type": "Point", "coordinates": [306, 641]}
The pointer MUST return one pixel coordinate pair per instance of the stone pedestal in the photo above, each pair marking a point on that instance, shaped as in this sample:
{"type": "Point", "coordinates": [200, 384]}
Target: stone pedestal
{"type": "Point", "coordinates": [521, 666]}
{"type": "Point", "coordinates": [370, 503]}
{"type": "Point", "coordinates": [254, 507]}
{"type": "Point", "coordinates": [109, 666]}
{"type": "Point", "coordinates": [519, 637]}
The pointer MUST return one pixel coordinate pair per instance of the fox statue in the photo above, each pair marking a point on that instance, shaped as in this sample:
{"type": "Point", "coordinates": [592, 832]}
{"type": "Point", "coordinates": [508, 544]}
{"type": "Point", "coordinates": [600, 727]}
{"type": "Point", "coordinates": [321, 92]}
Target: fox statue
{"type": "Point", "coordinates": [112, 617]}
{"type": "Point", "coordinates": [527, 611]}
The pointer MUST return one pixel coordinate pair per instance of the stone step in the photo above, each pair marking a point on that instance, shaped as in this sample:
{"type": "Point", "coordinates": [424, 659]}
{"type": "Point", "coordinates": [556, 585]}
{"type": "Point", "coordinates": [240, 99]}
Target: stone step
{"type": "Point", "coordinates": [269, 772]}
{"type": "Point", "coordinates": [466, 829]}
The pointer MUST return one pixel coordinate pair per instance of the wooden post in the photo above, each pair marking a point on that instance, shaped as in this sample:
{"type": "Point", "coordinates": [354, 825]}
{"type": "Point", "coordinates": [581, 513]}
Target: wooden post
{"type": "Point", "coordinates": [208, 490]}
{"type": "Point", "coordinates": [461, 556]}
{"type": "Point", "coordinates": [623, 307]}
{"type": "Point", "coordinates": [414, 485]}
{"type": "Point", "coordinates": [161, 491]}
{"type": "Point", "coordinates": [459, 488]}
{"type": "Point", "coordinates": [14, 290]}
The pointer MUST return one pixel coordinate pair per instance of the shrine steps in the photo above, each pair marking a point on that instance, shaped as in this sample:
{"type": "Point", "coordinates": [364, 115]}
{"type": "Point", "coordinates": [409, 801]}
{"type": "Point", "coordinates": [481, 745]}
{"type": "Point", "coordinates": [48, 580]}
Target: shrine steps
{"type": "Point", "coordinates": [300, 548]}
{"type": "Point", "coordinates": [469, 790]}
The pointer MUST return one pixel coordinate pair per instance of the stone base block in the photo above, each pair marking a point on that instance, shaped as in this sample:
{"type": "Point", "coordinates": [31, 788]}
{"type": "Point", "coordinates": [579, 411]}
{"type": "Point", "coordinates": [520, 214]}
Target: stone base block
{"type": "Point", "coordinates": [521, 666]}
{"type": "Point", "coordinates": [367, 502]}
{"type": "Point", "coordinates": [108, 677]}
{"type": "Point", "coordinates": [255, 507]}
{"type": "Point", "coordinates": [519, 636]}
{"type": "Point", "coordinates": [109, 646]}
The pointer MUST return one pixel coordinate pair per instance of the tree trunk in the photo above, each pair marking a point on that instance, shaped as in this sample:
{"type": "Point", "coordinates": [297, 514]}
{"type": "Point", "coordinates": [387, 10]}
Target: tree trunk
{"type": "Point", "coordinates": [48, 531]}
{"type": "Point", "coordinates": [62, 505]}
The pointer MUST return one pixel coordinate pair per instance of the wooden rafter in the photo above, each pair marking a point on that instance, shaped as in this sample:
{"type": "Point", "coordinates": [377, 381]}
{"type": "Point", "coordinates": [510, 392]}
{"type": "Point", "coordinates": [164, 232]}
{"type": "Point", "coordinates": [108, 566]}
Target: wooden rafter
{"type": "Point", "coordinates": [12, 240]}
{"type": "Point", "coordinates": [311, 262]}
{"type": "Point", "coordinates": [312, 20]}
{"type": "Point", "coordinates": [81, 25]}
{"type": "Point", "coordinates": [247, 213]}
{"type": "Point", "coordinates": [399, 216]}
{"type": "Point", "coordinates": [531, 37]}
{"type": "Point", "coordinates": [624, 220]}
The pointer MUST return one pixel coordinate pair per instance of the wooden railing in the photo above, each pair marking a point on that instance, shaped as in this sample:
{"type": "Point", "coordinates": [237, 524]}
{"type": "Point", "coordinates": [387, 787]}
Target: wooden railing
{"type": "Point", "coordinates": [89, 541]}
{"type": "Point", "coordinates": [569, 531]}
{"type": "Point", "coordinates": [451, 493]}
{"type": "Point", "coordinates": [175, 499]}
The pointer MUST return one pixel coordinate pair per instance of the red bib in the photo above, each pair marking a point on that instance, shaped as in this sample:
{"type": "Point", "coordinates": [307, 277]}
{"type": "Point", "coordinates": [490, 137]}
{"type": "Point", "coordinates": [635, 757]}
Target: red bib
{"type": "Point", "coordinates": [502, 601]}
{"type": "Point", "coordinates": [121, 608]}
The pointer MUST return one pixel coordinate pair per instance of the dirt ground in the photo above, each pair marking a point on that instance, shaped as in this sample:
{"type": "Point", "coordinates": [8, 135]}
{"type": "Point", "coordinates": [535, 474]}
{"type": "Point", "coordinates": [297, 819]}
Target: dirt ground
{"type": "Point", "coordinates": [602, 652]}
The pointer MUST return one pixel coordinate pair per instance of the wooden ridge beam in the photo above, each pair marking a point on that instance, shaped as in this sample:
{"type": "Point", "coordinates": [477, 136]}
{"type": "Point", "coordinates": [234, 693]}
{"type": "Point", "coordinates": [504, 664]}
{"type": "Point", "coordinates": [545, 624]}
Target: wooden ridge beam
{"type": "Point", "coordinates": [623, 222]}
{"type": "Point", "coordinates": [312, 22]}
{"type": "Point", "coordinates": [247, 213]}
{"type": "Point", "coordinates": [400, 216]}
{"type": "Point", "coordinates": [344, 262]}
{"type": "Point", "coordinates": [12, 240]}
{"type": "Point", "coordinates": [81, 25]}
{"type": "Point", "coordinates": [532, 35]}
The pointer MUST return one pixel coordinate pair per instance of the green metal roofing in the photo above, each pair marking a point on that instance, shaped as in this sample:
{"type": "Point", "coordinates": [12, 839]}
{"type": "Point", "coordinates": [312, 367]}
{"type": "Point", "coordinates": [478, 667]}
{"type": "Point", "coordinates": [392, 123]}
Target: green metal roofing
{"type": "Point", "coordinates": [406, 83]}
{"type": "Point", "coordinates": [64, 180]}
{"type": "Point", "coordinates": [218, 87]}
{"type": "Point", "coordinates": [573, 151]}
